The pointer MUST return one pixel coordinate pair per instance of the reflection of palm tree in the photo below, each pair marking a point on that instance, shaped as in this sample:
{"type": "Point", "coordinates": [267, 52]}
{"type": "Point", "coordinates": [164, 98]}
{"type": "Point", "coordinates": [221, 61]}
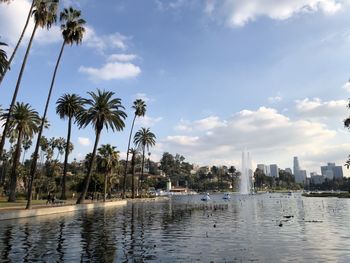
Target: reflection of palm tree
{"type": "Point", "coordinates": [25, 121]}
{"type": "Point", "coordinates": [103, 110]}
{"type": "Point", "coordinates": [144, 139]}
{"type": "Point", "coordinates": [133, 153]}
{"type": "Point", "coordinates": [44, 13]}
{"type": "Point", "coordinates": [68, 106]}
{"type": "Point", "coordinates": [107, 159]}
{"type": "Point", "coordinates": [140, 110]}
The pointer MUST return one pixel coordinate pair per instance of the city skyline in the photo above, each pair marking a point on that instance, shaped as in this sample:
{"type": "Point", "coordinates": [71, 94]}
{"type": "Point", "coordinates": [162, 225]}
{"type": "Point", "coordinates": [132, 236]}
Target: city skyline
{"type": "Point", "coordinates": [217, 76]}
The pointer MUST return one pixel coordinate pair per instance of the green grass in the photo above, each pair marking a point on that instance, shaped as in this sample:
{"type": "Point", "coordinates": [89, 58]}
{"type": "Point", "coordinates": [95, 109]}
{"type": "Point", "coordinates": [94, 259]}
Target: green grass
{"type": "Point", "coordinates": [19, 203]}
{"type": "Point", "coordinates": [328, 194]}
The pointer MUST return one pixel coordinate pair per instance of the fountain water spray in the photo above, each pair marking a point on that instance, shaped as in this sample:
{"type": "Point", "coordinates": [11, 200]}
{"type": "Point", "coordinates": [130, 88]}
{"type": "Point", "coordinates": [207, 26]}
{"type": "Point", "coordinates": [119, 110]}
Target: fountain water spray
{"type": "Point", "coordinates": [246, 185]}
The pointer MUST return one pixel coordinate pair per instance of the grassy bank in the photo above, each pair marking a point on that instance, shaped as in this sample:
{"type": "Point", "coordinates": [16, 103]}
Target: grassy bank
{"type": "Point", "coordinates": [327, 194]}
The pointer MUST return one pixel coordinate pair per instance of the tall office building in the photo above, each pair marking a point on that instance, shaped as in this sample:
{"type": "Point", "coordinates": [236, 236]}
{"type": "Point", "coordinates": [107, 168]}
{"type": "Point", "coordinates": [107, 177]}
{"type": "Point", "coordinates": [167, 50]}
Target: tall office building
{"type": "Point", "coordinates": [274, 170]}
{"type": "Point", "coordinates": [288, 170]}
{"type": "Point", "coordinates": [299, 175]}
{"type": "Point", "coordinates": [296, 166]}
{"type": "Point", "coordinates": [262, 167]}
{"type": "Point", "coordinates": [332, 171]}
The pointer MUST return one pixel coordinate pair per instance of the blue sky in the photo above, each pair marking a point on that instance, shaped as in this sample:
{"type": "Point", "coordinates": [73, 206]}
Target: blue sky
{"type": "Point", "coordinates": [218, 76]}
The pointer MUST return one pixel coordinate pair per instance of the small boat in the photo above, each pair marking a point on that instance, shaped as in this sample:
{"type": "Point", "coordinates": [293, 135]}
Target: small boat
{"type": "Point", "coordinates": [205, 197]}
{"type": "Point", "coordinates": [290, 192]}
{"type": "Point", "coordinates": [226, 196]}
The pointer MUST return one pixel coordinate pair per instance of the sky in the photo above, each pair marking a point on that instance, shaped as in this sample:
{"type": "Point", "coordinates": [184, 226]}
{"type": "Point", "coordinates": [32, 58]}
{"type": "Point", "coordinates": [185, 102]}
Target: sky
{"type": "Point", "coordinates": [218, 76]}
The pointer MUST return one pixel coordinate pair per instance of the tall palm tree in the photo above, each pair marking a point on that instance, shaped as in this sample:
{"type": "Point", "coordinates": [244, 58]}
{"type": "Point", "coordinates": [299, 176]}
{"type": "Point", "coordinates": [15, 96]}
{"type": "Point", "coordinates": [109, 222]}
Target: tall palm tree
{"type": "Point", "coordinates": [107, 160]}
{"type": "Point", "coordinates": [134, 152]}
{"type": "Point", "coordinates": [68, 106]}
{"type": "Point", "coordinates": [25, 121]}
{"type": "Point", "coordinates": [27, 143]}
{"type": "Point", "coordinates": [44, 12]}
{"type": "Point", "coordinates": [140, 110]}
{"type": "Point", "coordinates": [144, 139]}
{"type": "Point", "coordinates": [19, 40]}
{"type": "Point", "coordinates": [72, 28]}
{"type": "Point", "coordinates": [3, 60]}
{"type": "Point", "coordinates": [102, 111]}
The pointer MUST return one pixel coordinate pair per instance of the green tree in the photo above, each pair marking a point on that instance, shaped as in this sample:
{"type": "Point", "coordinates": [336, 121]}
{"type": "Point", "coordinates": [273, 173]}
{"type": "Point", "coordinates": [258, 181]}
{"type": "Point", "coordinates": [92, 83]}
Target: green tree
{"type": "Point", "coordinates": [140, 110]}
{"type": "Point", "coordinates": [68, 107]}
{"type": "Point", "coordinates": [3, 60]}
{"type": "Point", "coordinates": [102, 111]}
{"type": "Point", "coordinates": [25, 121]}
{"type": "Point", "coordinates": [144, 139]}
{"type": "Point", "coordinates": [44, 12]}
{"type": "Point", "coordinates": [107, 161]}
{"type": "Point", "coordinates": [27, 143]}
{"type": "Point", "coordinates": [72, 27]}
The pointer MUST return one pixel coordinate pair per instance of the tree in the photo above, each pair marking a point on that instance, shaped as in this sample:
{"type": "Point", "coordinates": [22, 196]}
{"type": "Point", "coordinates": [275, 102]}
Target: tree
{"type": "Point", "coordinates": [107, 160]}
{"type": "Point", "coordinates": [140, 110]}
{"type": "Point", "coordinates": [144, 139]}
{"type": "Point", "coordinates": [72, 27]}
{"type": "Point", "coordinates": [102, 111]}
{"type": "Point", "coordinates": [68, 107]}
{"type": "Point", "coordinates": [25, 121]}
{"type": "Point", "coordinates": [19, 40]}
{"type": "Point", "coordinates": [3, 60]}
{"type": "Point", "coordinates": [27, 143]}
{"type": "Point", "coordinates": [44, 12]}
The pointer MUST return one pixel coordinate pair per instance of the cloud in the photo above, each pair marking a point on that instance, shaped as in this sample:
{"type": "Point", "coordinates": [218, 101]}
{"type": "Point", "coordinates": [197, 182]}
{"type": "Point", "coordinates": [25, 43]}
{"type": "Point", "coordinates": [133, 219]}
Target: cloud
{"type": "Point", "coordinates": [317, 108]}
{"type": "Point", "coordinates": [275, 99]}
{"type": "Point", "coordinates": [112, 71]}
{"type": "Point", "coordinates": [144, 97]}
{"type": "Point", "coordinates": [104, 42]}
{"type": "Point", "coordinates": [346, 86]}
{"type": "Point", "coordinates": [205, 124]}
{"type": "Point", "coordinates": [121, 57]}
{"type": "Point", "coordinates": [84, 141]}
{"type": "Point", "coordinates": [166, 5]}
{"type": "Point", "coordinates": [271, 136]}
{"type": "Point", "coordinates": [147, 121]}
{"type": "Point", "coordinates": [240, 12]}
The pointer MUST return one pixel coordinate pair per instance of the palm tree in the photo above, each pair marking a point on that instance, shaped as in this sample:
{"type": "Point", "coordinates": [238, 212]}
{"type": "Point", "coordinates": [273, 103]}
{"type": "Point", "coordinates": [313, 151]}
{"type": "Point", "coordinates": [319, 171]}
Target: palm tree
{"type": "Point", "coordinates": [107, 159]}
{"type": "Point", "coordinates": [3, 60]}
{"type": "Point", "coordinates": [44, 12]}
{"type": "Point", "coordinates": [134, 154]}
{"type": "Point", "coordinates": [144, 139]}
{"type": "Point", "coordinates": [140, 110]}
{"type": "Point", "coordinates": [102, 111]}
{"type": "Point", "coordinates": [68, 106]}
{"type": "Point", "coordinates": [25, 121]}
{"type": "Point", "coordinates": [19, 40]}
{"type": "Point", "coordinates": [27, 143]}
{"type": "Point", "coordinates": [72, 28]}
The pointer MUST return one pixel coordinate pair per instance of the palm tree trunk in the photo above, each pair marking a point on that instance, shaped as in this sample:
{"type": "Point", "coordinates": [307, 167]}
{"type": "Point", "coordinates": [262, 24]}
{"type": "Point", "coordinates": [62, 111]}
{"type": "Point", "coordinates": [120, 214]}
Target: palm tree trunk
{"type": "Point", "coordinates": [14, 97]}
{"type": "Point", "coordinates": [18, 42]}
{"type": "Point", "coordinates": [63, 194]}
{"type": "Point", "coordinates": [24, 154]}
{"type": "Point", "coordinates": [87, 179]}
{"type": "Point", "coordinates": [133, 176]}
{"type": "Point", "coordinates": [143, 163]}
{"type": "Point", "coordinates": [127, 157]}
{"type": "Point", "coordinates": [13, 179]}
{"type": "Point", "coordinates": [36, 152]}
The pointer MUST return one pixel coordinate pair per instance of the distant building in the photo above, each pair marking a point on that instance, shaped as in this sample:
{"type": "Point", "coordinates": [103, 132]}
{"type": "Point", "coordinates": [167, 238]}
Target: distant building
{"type": "Point", "coordinates": [288, 170]}
{"type": "Point", "coordinates": [273, 170]}
{"type": "Point", "coordinates": [317, 179]}
{"type": "Point", "coordinates": [299, 175]}
{"type": "Point", "coordinates": [332, 171]}
{"type": "Point", "coordinates": [262, 168]}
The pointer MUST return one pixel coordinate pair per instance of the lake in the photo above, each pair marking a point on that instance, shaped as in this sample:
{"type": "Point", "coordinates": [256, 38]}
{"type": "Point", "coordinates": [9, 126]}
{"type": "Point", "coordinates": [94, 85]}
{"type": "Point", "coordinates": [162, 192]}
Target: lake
{"type": "Point", "coordinates": [259, 228]}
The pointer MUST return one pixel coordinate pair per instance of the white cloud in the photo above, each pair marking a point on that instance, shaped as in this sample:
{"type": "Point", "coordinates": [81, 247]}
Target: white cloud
{"type": "Point", "coordinates": [274, 99]}
{"type": "Point", "coordinates": [205, 124]}
{"type": "Point", "coordinates": [321, 109]}
{"type": "Point", "coordinates": [121, 57]}
{"type": "Point", "coordinates": [346, 86]}
{"type": "Point", "coordinates": [147, 121]}
{"type": "Point", "coordinates": [144, 97]}
{"type": "Point", "coordinates": [84, 141]}
{"type": "Point", "coordinates": [240, 12]}
{"type": "Point", "coordinates": [51, 36]}
{"type": "Point", "coordinates": [112, 71]}
{"type": "Point", "coordinates": [271, 136]}
{"type": "Point", "coordinates": [104, 42]}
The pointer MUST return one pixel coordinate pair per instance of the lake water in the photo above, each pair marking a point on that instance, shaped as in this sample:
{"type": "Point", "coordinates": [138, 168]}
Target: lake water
{"type": "Point", "coordinates": [260, 228]}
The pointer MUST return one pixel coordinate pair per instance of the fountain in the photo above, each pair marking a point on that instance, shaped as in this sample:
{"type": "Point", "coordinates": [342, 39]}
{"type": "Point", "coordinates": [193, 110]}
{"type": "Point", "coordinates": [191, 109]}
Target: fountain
{"type": "Point", "coordinates": [246, 185]}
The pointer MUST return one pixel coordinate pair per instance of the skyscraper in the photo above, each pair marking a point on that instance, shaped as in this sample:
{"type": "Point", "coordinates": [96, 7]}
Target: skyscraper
{"type": "Point", "coordinates": [296, 166]}
{"type": "Point", "coordinates": [299, 175]}
{"type": "Point", "coordinates": [332, 171]}
{"type": "Point", "coordinates": [274, 170]}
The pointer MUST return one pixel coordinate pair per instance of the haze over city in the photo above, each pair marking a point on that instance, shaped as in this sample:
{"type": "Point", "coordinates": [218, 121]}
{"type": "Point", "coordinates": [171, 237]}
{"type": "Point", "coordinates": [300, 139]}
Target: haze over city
{"type": "Point", "coordinates": [218, 76]}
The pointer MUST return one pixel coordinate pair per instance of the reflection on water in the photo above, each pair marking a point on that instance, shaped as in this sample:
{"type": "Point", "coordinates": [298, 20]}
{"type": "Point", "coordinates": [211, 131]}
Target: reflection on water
{"type": "Point", "coordinates": [265, 228]}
